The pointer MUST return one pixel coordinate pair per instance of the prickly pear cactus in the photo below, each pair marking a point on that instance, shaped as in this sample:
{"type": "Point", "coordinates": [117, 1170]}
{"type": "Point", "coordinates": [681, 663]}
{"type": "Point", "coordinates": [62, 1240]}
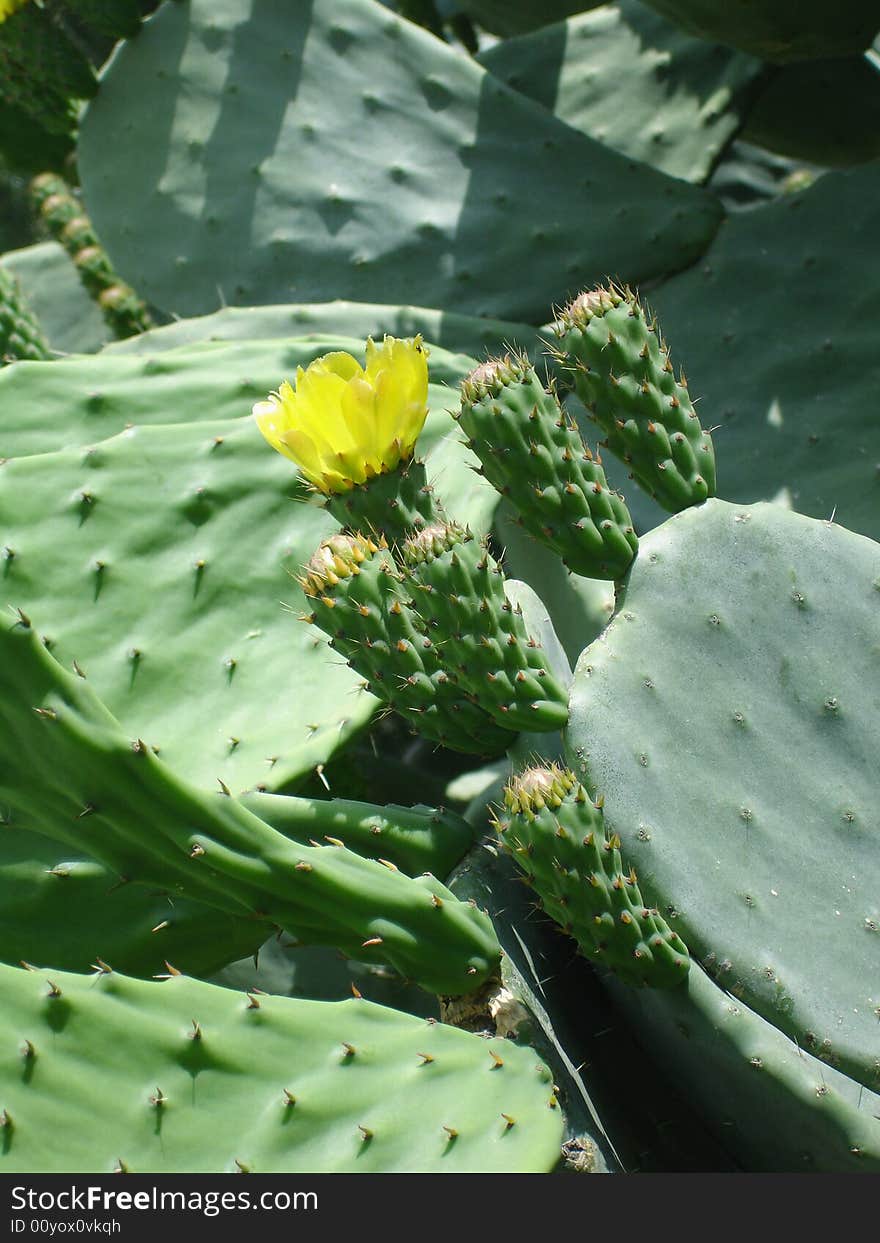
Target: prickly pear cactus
{"type": "Point", "coordinates": [736, 754]}
{"type": "Point", "coordinates": [313, 1086]}
{"type": "Point", "coordinates": [783, 30]}
{"type": "Point", "coordinates": [266, 190]}
{"type": "Point", "coordinates": [20, 333]}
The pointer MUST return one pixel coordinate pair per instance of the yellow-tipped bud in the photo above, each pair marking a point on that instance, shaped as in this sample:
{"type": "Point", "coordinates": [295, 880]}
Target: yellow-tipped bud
{"type": "Point", "coordinates": [338, 558]}
{"type": "Point", "coordinates": [343, 424]}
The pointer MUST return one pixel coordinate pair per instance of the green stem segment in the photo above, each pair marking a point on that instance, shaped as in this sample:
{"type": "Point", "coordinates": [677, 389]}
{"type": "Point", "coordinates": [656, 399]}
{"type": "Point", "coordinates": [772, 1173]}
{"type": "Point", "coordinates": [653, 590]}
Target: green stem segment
{"type": "Point", "coordinates": [556, 834]}
{"type": "Point", "coordinates": [458, 592]}
{"type": "Point", "coordinates": [532, 452]}
{"type": "Point", "coordinates": [623, 374]}
{"type": "Point", "coordinates": [354, 591]}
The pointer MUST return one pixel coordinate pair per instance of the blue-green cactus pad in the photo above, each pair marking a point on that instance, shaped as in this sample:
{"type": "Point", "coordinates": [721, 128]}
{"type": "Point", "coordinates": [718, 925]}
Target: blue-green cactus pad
{"type": "Point", "coordinates": [629, 78]}
{"type": "Point", "coordinates": [428, 180]}
{"type": "Point", "coordinates": [730, 716]}
{"type": "Point", "coordinates": [777, 330]}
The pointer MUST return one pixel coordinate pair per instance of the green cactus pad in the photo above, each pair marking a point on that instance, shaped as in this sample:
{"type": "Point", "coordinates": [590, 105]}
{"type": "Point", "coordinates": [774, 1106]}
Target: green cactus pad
{"type": "Point", "coordinates": [68, 316]}
{"type": "Point", "coordinates": [457, 590]}
{"type": "Point", "coordinates": [389, 196]}
{"type": "Point", "coordinates": [794, 408]}
{"type": "Point", "coordinates": [62, 214]}
{"type": "Point", "coordinates": [781, 30]}
{"type": "Point", "coordinates": [157, 556]}
{"type": "Point", "coordinates": [768, 1101]}
{"type": "Point", "coordinates": [622, 372]}
{"type": "Point", "coordinates": [513, 17]}
{"type": "Point", "coordinates": [20, 333]}
{"type": "Point", "coordinates": [69, 770]}
{"type": "Point", "coordinates": [629, 78]}
{"type": "Point", "coordinates": [557, 837]}
{"type": "Point", "coordinates": [61, 908]}
{"type": "Point", "coordinates": [531, 452]}
{"type": "Point", "coordinates": [729, 717]}
{"type": "Point", "coordinates": [181, 1076]}
{"type": "Point", "coordinates": [462, 334]}
{"type": "Point", "coordinates": [826, 112]}
{"type": "Point", "coordinates": [356, 599]}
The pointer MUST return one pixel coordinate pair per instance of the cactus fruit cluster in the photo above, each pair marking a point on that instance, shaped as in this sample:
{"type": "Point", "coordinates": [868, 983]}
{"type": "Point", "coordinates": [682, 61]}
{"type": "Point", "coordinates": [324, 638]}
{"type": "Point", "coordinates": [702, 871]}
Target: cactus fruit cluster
{"type": "Point", "coordinates": [351, 792]}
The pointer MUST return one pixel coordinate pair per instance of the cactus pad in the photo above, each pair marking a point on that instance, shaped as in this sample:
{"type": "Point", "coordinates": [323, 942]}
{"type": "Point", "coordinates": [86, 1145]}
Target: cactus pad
{"type": "Point", "coordinates": [69, 770]}
{"type": "Point", "coordinates": [188, 1077]}
{"type": "Point", "coordinates": [157, 555]}
{"type": "Point", "coordinates": [61, 908]}
{"type": "Point", "coordinates": [729, 717]}
{"type": "Point", "coordinates": [629, 78]}
{"type": "Point", "coordinates": [793, 408]}
{"type": "Point", "coordinates": [781, 30]}
{"type": "Point", "coordinates": [389, 196]}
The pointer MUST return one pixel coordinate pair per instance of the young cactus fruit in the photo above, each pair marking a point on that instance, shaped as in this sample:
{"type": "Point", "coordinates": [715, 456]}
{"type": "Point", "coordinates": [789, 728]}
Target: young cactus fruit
{"type": "Point", "coordinates": [353, 588]}
{"type": "Point", "coordinates": [556, 834]}
{"type": "Point", "coordinates": [458, 592]}
{"type": "Point", "coordinates": [532, 452]}
{"type": "Point", "coordinates": [352, 432]}
{"type": "Point", "coordinates": [20, 333]}
{"type": "Point", "coordinates": [623, 374]}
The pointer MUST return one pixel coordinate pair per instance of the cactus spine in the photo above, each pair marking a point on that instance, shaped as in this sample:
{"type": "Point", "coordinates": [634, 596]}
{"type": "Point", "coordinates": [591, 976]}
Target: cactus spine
{"type": "Point", "coordinates": [458, 592]}
{"type": "Point", "coordinates": [532, 452]}
{"type": "Point", "coordinates": [623, 374]}
{"type": "Point", "coordinates": [557, 836]}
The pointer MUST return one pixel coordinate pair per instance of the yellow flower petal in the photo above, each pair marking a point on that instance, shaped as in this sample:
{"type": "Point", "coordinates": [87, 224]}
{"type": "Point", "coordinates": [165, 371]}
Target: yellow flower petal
{"type": "Point", "coordinates": [8, 7]}
{"type": "Point", "coordinates": [343, 423]}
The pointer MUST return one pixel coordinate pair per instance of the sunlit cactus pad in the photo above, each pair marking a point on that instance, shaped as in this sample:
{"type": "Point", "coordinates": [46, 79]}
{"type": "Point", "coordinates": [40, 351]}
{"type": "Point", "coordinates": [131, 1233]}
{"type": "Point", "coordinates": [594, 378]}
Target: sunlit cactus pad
{"type": "Point", "coordinates": [392, 195]}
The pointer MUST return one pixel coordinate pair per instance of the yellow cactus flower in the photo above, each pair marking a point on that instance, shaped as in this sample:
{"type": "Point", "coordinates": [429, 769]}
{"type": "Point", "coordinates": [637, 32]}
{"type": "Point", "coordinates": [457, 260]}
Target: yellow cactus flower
{"type": "Point", "coordinates": [343, 424]}
{"type": "Point", "coordinates": [8, 7]}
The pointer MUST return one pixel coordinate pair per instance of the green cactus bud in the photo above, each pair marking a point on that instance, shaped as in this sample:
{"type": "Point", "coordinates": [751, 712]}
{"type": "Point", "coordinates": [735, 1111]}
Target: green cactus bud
{"type": "Point", "coordinates": [354, 591]}
{"type": "Point", "coordinates": [458, 592]}
{"type": "Point", "coordinates": [556, 834]}
{"type": "Point", "coordinates": [532, 452]}
{"type": "Point", "coordinates": [20, 333]}
{"type": "Point", "coordinates": [623, 374]}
